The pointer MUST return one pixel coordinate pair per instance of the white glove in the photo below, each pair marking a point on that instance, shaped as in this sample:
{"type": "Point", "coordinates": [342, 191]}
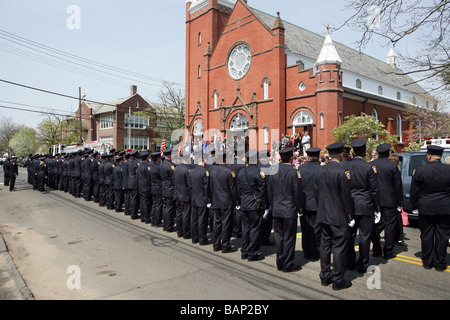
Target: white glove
{"type": "Point", "coordinates": [415, 211]}
{"type": "Point", "coordinates": [351, 223]}
{"type": "Point", "coordinates": [238, 207]}
{"type": "Point", "coordinates": [399, 209]}
{"type": "Point", "coordinates": [299, 213]}
{"type": "Point", "coordinates": [208, 205]}
{"type": "Point", "coordinates": [266, 214]}
{"type": "Point", "coordinates": [377, 216]}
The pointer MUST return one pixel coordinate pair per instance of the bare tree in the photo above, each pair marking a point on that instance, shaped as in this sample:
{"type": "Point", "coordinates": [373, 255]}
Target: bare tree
{"type": "Point", "coordinates": [405, 20]}
{"type": "Point", "coordinates": [7, 130]}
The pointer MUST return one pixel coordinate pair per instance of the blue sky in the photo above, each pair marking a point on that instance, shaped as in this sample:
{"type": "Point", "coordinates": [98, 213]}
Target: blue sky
{"type": "Point", "coordinates": [142, 36]}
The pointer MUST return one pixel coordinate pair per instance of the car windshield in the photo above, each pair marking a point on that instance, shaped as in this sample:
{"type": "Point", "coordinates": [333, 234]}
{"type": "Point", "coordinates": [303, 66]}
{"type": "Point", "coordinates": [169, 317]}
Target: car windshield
{"type": "Point", "coordinates": [416, 161]}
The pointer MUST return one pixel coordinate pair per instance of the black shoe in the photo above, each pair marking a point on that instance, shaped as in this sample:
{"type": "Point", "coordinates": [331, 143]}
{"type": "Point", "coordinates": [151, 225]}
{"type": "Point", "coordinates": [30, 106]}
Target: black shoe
{"type": "Point", "coordinates": [362, 270]}
{"type": "Point", "coordinates": [243, 256]}
{"type": "Point", "coordinates": [440, 269]}
{"type": "Point", "coordinates": [341, 285]}
{"type": "Point", "coordinates": [232, 249]}
{"type": "Point", "coordinates": [427, 267]}
{"type": "Point", "coordinates": [388, 256]}
{"type": "Point", "coordinates": [217, 249]}
{"type": "Point", "coordinates": [293, 268]}
{"type": "Point", "coordinates": [119, 210]}
{"type": "Point", "coordinates": [259, 257]}
{"type": "Point", "coordinates": [205, 243]}
{"type": "Point", "coordinates": [402, 243]}
{"type": "Point", "coordinates": [325, 282]}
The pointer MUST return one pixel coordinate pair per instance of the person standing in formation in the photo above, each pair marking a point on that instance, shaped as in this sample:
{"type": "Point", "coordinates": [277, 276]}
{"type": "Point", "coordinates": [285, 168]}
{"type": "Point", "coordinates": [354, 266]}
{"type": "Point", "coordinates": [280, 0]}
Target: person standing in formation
{"type": "Point", "coordinates": [166, 170]}
{"type": "Point", "coordinates": [335, 215]}
{"type": "Point", "coordinates": [430, 198]}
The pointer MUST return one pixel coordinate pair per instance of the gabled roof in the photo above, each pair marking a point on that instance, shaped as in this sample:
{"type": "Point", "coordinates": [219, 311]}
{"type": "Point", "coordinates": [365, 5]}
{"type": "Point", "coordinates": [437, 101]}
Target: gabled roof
{"type": "Point", "coordinates": [310, 44]}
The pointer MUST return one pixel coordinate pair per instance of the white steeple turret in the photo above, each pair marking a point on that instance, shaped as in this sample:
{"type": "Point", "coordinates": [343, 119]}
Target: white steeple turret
{"type": "Point", "coordinates": [328, 54]}
{"type": "Point", "coordinates": [392, 58]}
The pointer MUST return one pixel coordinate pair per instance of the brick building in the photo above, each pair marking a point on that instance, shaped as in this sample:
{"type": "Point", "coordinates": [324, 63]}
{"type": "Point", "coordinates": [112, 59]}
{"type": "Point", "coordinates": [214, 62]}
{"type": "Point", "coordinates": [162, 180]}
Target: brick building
{"type": "Point", "coordinates": [246, 69]}
{"type": "Point", "coordinates": [110, 123]}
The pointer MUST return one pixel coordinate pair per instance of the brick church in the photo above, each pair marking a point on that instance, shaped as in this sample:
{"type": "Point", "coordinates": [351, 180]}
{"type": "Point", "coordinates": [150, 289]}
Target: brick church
{"type": "Point", "coordinates": [249, 71]}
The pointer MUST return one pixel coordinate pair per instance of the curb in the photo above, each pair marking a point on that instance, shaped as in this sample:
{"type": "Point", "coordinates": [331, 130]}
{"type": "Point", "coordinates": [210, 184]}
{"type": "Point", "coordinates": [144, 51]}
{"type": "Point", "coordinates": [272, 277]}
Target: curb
{"type": "Point", "coordinates": [12, 271]}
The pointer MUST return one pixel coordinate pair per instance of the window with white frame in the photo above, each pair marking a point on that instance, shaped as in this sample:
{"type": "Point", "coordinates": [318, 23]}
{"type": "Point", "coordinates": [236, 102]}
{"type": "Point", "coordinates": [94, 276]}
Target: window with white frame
{"type": "Point", "coordinates": [107, 140]}
{"type": "Point", "coordinates": [137, 143]}
{"type": "Point", "coordinates": [107, 121]}
{"type": "Point", "coordinates": [266, 89]}
{"type": "Point", "coordinates": [399, 128]}
{"type": "Point", "coordinates": [137, 121]}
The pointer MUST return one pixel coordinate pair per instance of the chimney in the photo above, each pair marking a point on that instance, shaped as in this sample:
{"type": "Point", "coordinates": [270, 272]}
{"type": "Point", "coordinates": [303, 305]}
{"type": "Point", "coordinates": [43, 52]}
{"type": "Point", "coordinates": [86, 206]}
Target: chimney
{"type": "Point", "coordinates": [133, 90]}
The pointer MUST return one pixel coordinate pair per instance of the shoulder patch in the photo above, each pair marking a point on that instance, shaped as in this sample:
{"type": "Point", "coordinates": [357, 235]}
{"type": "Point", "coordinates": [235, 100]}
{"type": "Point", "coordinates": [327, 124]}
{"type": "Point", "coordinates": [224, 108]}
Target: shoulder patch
{"type": "Point", "coordinates": [299, 175]}
{"type": "Point", "coordinates": [374, 168]}
{"type": "Point", "coordinates": [113, 165]}
{"type": "Point", "coordinates": [172, 167]}
{"type": "Point", "coordinates": [414, 172]}
{"type": "Point", "coordinates": [233, 174]}
{"type": "Point", "coordinates": [149, 168]}
{"type": "Point", "coordinates": [207, 173]}
{"type": "Point", "coordinates": [347, 174]}
{"type": "Point", "coordinates": [398, 167]}
{"type": "Point", "coordinates": [261, 173]}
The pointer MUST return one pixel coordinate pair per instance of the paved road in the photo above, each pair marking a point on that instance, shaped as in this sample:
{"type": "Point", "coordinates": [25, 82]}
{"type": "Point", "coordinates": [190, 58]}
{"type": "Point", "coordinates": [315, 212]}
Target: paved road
{"type": "Point", "coordinates": [66, 248]}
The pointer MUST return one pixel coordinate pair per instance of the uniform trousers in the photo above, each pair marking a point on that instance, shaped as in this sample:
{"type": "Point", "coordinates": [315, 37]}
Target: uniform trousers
{"type": "Point", "coordinates": [334, 239]}
{"type": "Point", "coordinates": [365, 225]}
{"type": "Point", "coordinates": [118, 199]}
{"type": "Point", "coordinates": [251, 233]}
{"type": "Point", "coordinates": [145, 205]}
{"type": "Point", "coordinates": [222, 229]}
{"type": "Point", "coordinates": [434, 235]}
{"type": "Point", "coordinates": [285, 231]}
{"type": "Point", "coordinates": [389, 223]}
{"type": "Point", "coordinates": [168, 214]}
{"type": "Point", "coordinates": [199, 224]}
{"type": "Point", "coordinates": [6, 178]}
{"type": "Point", "coordinates": [96, 191]}
{"type": "Point", "coordinates": [87, 188]}
{"type": "Point", "coordinates": [76, 187]}
{"type": "Point", "coordinates": [133, 195]}
{"type": "Point", "coordinates": [102, 195]}
{"type": "Point", "coordinates": [183, 219]}
{"type": "Point", "coordinates": [157, 210]}
{"type": "Point", "coordinates": [12, 182]}
{"type": "Point", "coordinates": [109, 190]}
{"type": "Point", "coordinates": [310, 235]}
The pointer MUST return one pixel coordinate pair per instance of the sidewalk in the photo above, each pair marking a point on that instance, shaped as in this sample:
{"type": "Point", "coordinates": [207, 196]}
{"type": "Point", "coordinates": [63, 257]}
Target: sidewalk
{"type": "Point", "coordinates": [12, 286]}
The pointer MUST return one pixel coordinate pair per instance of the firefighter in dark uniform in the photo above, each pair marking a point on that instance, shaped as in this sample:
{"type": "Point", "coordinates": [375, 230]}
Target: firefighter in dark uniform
{"type": "Point", "coordinates": [95, 177]}
{"type": "Point", "coordinates": [13, 173]}
{"type": "Point", "coordinates": [285, 197]}
{"type": "Point", "coordinates": [118, 188]}
{"type": "Point", "coordinates": [156, 190]}
{"type": "Point", "coordinates": [251, 185]}
{"type": "Point", "coordinates": [109, 182]}
{"type": "Point", "coordinates": [132, 184]}
{"type": "Point", "coordinates": [76, 174]}
{"type": "Point", "coordinates": [391, 198]}
{"type": "Point", "coordinates": [224, 195]}
{"type": "Point", "coordinates": [65, 175]}
{"type": "Point", "coordinates": [236, 165]}
{"type": "Point", "coordinates": [167, 168]}
{"type": "Point", "coordinates": [61, 162]}
{"type": "Point", "coordinates": [366, 200]}
{"type": "Point", "coordinates": [87, 176]}
{"type": "Point", "coordinates": [267, 221]}
{"type": "Point", "coordinates": [35, 165]}
{"type": "Point", "coordinates": [126, 193]}
{"type": "Point", "coordinates": [42, 174]}
{"type": "Point", "coordinates": [145, 187]}
{"type": "Point", "coordinates": [200, 198]}
{"type": "Point", "coordinates": [182, 197]}
{"type": "Point", "coordinates": [335, 215]}
{"type": "Point", "coordinates": [430, 196]}
{"type": "Point", "coordinates": [101, 180]}
{"type": "Point", "coordinates": [308, 221]}
{"type": "Point", "coordinates": [30, 169]}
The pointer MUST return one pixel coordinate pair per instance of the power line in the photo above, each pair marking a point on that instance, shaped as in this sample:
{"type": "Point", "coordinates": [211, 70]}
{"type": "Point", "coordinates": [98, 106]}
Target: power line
{"type": "Point", "coordinates": [7, 36]}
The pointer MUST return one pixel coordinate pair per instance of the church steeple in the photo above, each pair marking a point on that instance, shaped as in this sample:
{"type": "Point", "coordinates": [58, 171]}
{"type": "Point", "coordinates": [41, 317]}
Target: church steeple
{"type": "Point", "coordinates": [392, 58]}
{"type": "Point", "coordinates": [328, 54]}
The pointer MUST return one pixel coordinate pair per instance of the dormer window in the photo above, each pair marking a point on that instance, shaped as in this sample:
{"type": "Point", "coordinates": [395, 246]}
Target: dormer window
{"type": "Point", "coordinates": [380, 90]}
{"type": "Point", "coordinates": [358, 84]}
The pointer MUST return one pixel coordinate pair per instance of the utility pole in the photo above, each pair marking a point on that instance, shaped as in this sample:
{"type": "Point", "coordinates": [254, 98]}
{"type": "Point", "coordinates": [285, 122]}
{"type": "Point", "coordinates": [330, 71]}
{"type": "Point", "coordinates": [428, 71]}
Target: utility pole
{"type": "Point", "coordinates": [81, 123]}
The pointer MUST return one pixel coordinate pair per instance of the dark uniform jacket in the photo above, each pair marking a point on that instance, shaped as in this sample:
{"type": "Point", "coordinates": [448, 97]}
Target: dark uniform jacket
{"type": "Point", "coordinates": [199, 183]}
{"type": "Point", "coordinates": [389, 182]}
{"type": "Point", "coordinates": [109, 173]}
{"type": "Point", "coordinates": [144, 177]}
{"type": "Point", "coordinates": [285, 192]}
{"type": "Point", "coordinates": [76, 167]}
{"type": "Point", "coordinates": [182, 190]}
{"type": "Point", "coordinates": [94, 168]}
{"type": "Point", "coordinates": [251, 185]}
{"type": "Point", "coordinates": [430, 189]}
{"type": "Point", "coordinates": [166, 170]}
{"type": "Point", "coordinates": [155, 176]}
{"type": "Point", "coordinates": [14, 170]}
{"type": "Point", "coordinates": [132, 182]}
{"type": "Point", "coordinates": [364, 186]}
{"type": "Point", "coordinates": [308, 172]}
{"type": "Point", "coordinates": [101, 172]}
{"type": "Point", "coordinates": [223, 187]}
{"type": "Point", "coordinates": [117, 176]}
{"type": "Point", "coordinates": [42, 171]}
{"type": "Point", "coordinates": [333, 195]}
{"type": "Point", "coordinates": [125, 167]}
{"type": "Point", "coordinates": [87, 168]}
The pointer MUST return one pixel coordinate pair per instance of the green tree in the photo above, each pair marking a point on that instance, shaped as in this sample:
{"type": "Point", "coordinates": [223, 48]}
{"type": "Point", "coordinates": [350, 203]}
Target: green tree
{"type": "Point", "coordinates": [24, 143]}
{"type": "Point", "coordinates": [363, 127]}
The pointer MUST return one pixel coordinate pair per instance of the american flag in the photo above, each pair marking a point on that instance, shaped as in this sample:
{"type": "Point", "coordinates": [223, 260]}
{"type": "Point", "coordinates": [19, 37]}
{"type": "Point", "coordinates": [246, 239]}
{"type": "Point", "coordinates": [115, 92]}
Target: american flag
{"type": "Point", "coordinates": [163, 146]}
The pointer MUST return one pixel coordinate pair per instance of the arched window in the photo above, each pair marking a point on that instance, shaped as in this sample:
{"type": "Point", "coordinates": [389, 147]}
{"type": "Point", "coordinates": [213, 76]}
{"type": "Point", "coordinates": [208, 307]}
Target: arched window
{"type": "Point", "coordinates": [358, 84]}
{"type": "Point", "coordinates": [199, 71]}
{"type": "Point", "coordinates": [399, 128]}
{"type": "Point", "coordinates": [380, 90]}
{"type": "Point", "coordinates": [216, 99]}
{"type": "Point", "coordinates": [199, 38]}
{"type": "Point", "coordinates": [399, 95]}
{"type": "Point", "coordinates": [239, 122]}
{"type": "Point", "coordinates": [375, 113]}
{"type": "Point", "coordinates": [266, 89]}
{"type": "Point", "coordinates": [301, 65]}
{"type": "Point", "coordinates": [302, 118]}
